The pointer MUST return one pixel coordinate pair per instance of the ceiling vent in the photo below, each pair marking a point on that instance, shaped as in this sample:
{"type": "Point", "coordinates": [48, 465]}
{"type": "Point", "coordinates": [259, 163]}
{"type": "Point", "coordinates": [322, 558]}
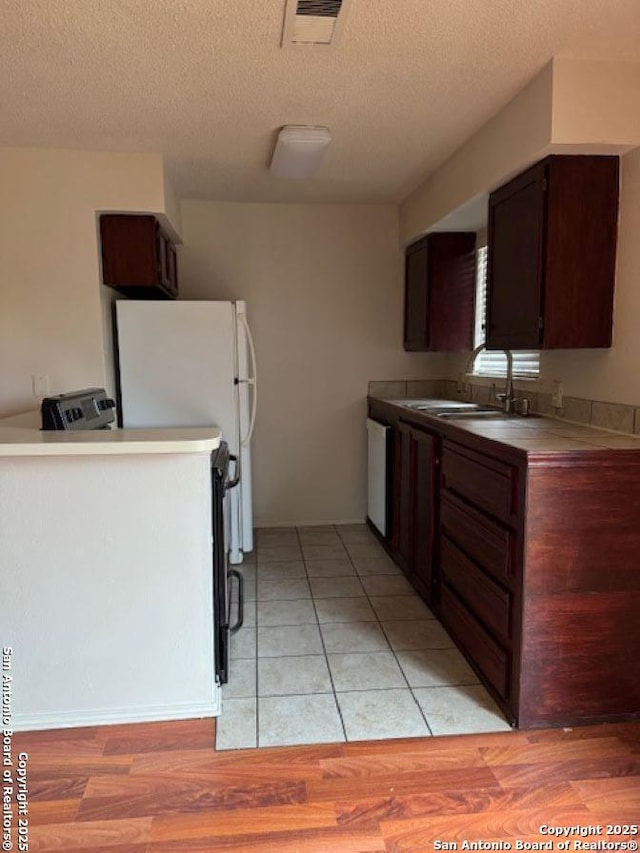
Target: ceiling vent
{"type": "Point", "coordinates": [313, 22]}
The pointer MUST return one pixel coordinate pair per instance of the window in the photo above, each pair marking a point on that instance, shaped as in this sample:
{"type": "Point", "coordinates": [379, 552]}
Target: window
{"type": "Point", "coordinates": [525, 364]}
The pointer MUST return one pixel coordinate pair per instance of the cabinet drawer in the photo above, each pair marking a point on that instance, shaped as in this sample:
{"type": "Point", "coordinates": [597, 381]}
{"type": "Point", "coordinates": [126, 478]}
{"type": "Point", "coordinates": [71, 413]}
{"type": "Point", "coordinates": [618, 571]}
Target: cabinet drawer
{"type": "Point", "coordinates": [484, 541]}
{"type": "Point", "coordinates": [486, 482]}
{"type": "Point", "coordinates": [485, 598]}
{"type": "Point", "coordinates": [488, 656]}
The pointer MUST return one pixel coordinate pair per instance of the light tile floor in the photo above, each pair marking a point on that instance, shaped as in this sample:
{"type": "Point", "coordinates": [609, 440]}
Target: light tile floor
{"type": "Point", "coordinates": [336, 646]}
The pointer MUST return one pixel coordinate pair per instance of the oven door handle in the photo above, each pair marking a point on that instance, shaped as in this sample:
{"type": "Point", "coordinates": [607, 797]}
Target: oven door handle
{"type": "Point", "coordinates": [231, 484]}
{"type": "Point", "coordinates": [234, 573]}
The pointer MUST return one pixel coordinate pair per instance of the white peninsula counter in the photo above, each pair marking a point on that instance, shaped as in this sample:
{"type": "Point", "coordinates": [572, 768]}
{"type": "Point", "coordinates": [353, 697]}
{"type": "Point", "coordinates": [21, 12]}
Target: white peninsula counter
{"type": "Point", "coordinates": [106, 591]}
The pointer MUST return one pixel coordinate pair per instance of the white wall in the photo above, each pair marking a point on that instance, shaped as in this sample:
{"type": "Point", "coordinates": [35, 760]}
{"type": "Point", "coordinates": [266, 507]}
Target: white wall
{"type": "Point", "coordinates": [571, 106]}
{"type": "Point", "coordinates": [324, 291]}
{"type": "Point", "coordinates": [514, 136]}
{"type": "Point", "coordinates": [597, 102]}
{"type": "Point", "coordinates": [51, 312]}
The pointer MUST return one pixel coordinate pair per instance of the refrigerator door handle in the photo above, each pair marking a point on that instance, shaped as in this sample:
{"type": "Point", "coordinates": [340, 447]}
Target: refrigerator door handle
{"type": "Point", "coordinates": [251, 380]}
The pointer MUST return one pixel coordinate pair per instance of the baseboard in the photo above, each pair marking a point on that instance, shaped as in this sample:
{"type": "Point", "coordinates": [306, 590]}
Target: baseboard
{"type": "Point", "coordinates": [113, 716]}
{"type": "Point", "coordinates": [315, 523]}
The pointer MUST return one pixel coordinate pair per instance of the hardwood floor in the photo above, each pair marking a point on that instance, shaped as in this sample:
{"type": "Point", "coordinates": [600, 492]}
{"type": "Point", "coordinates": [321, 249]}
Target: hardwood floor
{"type": "Point", "coordinates": [160, 788]}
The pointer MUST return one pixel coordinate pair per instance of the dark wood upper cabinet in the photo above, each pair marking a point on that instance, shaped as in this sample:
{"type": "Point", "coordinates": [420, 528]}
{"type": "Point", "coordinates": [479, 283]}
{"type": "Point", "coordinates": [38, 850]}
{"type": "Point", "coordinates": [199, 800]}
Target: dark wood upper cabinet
{"type": "Point", "coordinates": [138, 257]}
{"type": "Point", "coordinates": [552, 249]}
{"type": "Point", "coordinates": [439, 292]}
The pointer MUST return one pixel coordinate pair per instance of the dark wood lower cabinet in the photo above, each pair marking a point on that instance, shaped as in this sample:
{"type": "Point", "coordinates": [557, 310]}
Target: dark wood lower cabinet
{"type": "Point", "coordinates": [424, 468]}
{"type": "Point", "coordinates": [580, 621]}
{"type": "Point", "coordinates": [541, 579]}
{"type": "Point", "coordinates": [531, 562]}
{"type": "Point", "coordinates": [415, 507]}
{"type": "Point", "coordinates": [490, 657]}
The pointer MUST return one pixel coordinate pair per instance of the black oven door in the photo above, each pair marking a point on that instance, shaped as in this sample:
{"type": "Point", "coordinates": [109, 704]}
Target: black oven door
{"type": "Point", "coordinates": [221, 484]}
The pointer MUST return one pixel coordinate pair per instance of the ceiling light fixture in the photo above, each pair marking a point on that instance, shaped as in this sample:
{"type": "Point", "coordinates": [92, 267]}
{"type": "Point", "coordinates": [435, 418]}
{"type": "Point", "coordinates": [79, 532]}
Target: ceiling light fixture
{"type": "Point", "coordinates": [299, 150]}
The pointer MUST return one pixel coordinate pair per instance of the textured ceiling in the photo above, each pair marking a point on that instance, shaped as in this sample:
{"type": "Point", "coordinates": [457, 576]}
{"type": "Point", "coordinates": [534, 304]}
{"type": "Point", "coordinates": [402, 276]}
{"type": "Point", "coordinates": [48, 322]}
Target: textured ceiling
{"type": "Point", "coordinates": [206, 83]}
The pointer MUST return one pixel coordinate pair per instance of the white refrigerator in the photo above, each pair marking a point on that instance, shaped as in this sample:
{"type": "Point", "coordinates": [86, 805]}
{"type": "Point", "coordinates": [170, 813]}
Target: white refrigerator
{"type": "Point", "coordinates": [183, 364]}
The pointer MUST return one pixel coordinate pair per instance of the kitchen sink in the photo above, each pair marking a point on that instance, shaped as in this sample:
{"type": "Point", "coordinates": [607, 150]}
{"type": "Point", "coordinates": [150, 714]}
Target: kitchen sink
{"type": "Point", "coordinates": [480, 412]}
{"type": "Point", "coordinates": [434, 404]}
{"type": "Point", "coordinates": [450, 408]}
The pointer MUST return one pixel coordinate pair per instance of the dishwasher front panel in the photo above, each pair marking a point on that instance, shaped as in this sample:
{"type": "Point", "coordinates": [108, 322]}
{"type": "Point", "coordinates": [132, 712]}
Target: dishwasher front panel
{"type": "Point", "coordinates": [378, 475]}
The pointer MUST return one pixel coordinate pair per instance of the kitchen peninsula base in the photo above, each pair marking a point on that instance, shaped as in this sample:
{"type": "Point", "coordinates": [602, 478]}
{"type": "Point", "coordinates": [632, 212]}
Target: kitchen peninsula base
{"type": "Point", "coordinates": [105, 577]}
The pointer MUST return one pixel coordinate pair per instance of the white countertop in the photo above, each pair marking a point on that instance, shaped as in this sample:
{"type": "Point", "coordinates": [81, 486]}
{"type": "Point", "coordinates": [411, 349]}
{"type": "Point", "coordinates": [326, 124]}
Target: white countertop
{"type": "Point", "coordinates": [17, 439]}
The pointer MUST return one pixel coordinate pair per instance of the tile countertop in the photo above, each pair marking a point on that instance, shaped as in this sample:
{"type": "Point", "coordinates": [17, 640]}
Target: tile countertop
{"type": "Point", "coordinates": [531, 434]}
{"type": "Point", "coordinates": [19, 437]}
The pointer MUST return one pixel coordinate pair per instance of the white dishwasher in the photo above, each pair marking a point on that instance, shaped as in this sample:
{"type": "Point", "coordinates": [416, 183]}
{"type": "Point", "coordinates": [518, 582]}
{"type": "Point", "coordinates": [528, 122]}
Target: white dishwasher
{"type": "Point", "coordinates": [377, 474]}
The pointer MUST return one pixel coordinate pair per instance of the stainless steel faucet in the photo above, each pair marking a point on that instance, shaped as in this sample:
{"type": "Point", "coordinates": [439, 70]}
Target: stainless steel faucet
{"type": "Point", "coordinates": [508, 397]}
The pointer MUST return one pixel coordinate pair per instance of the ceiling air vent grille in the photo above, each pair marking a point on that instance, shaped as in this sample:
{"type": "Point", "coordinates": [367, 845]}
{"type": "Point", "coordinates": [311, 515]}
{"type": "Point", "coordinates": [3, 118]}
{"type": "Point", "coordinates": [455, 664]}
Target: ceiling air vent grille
{"type": "Point", "coordinates": [319, 8]}
{"type": "Point", "coordinates": [312, 22]}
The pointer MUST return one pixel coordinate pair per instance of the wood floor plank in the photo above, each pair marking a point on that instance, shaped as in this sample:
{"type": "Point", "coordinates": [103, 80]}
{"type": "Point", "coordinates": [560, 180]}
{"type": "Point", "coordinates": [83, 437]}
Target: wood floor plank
{"type": "Point", "coordinates": [162, 795]}
{"type": "Point", "coordinates": [163, 784]}
{"type": "Point", "coordinates": [622, 792]}
{"type": "Point", "coordinates": [394, 783]}
{"type": "Point", "coordinates": [52, 811]}
{"type": "Point", "coordinates": [442, 743]}
{"type": "Point", "coordinates": [155, 737]}
{"type": "Point", "coordinates": [60, 766]}
{"type": "Point", "coordinates": [47, 787]}
{"type": "Point", "coordinates": [120, 848]}
{"type": "Point", "coordinates": [510, 775]}
{"type": "Point", "coordinates": [629, 732]}
{"type": "Point", "coordinates": [370, 813]}
{"type": "Point", "coordinates": [66, 744]}
{"type": "Point", "coordinates": [418, 835]}
{"type": "Point", "coordinates": [40, 737]}
{"type": "Point", "coordinates": [90, 836]}
{"type": "Point", "coordinates": [269, 764]}
{"type": "Point", "coordinates": [239, 822]}
{"type": "Point", "coordinates": [363, 765]}
{"type": "Point", "coordinates": [326, 840]}
{"type": "Point", "coordinates": [546, 751]}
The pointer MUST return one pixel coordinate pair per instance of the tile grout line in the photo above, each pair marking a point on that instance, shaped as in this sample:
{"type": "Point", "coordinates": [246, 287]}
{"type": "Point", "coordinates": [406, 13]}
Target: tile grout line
{"type": "Point", "coordinates": [363, 690]}
{"type": "Point", "coordinates": [384, 633]}
{"type": "Point", "coordinates": [335, 530]}
{"type": "Point", "coordinates": [326, 659]}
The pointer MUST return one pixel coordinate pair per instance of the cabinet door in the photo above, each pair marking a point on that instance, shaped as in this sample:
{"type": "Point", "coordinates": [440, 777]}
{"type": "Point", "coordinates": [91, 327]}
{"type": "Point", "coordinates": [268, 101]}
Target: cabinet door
{"type": "Point", "coordinates": [452, 278]}
{"type": "Point", "coordinates": [404, 526]}
{"type": "Point", "coordinates": [402, 513]}
{"type": "Point", "coordinates": [424, 476]}
{"type": "Point", "coordinates": [515, 262]}
{"type": "Point", "coordinates": [167, 268]}
{"type": "Point", "coordinates": [138, 259]}
{"type": "Point", "coordinates": [172, 268]}
{"type": "Point", "coordinates": [416, 298]}
{"type": "Point", "coordinates": [129, 254]}
{"type": "Point", "coordinates": [580, 250]}
{"type": "Point", "coordinates": [552, 252]}
{"type": "Point", "coordinates": [161, 257]}
{"type": "Point", "coordinates": [439, 292]}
